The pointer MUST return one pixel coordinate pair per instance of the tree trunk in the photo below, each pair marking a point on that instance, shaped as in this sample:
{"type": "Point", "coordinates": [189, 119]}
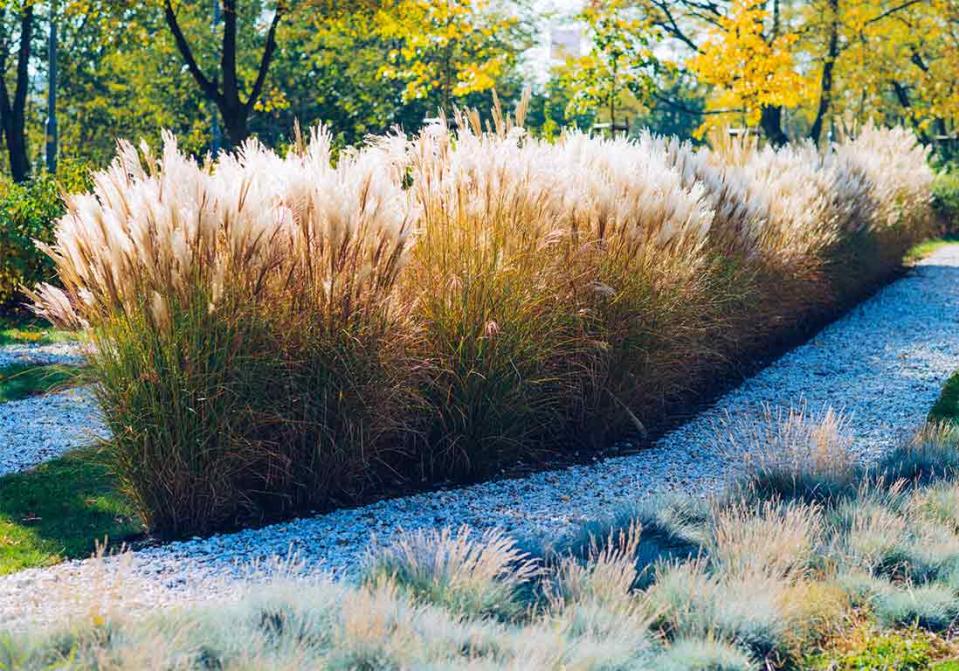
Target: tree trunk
{"type": "Point", "coordinates": [13, 113]}
{"type": "Point", "coordinates": [234, 110]}
{"type": "Point", "coordinates": [235, 122]}
{"type": "Point", "coordinates": [14, 132]}
{"type": "Point", "coordinates": [825, 81]}
{"type": "Point", "coordinates": [902, 94]}
{"type": "Point", "coordinates": [771, 122]}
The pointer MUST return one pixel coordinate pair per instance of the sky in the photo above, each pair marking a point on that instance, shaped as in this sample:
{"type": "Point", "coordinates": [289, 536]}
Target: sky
{"type": "Point", "coordinates": [552, 13]}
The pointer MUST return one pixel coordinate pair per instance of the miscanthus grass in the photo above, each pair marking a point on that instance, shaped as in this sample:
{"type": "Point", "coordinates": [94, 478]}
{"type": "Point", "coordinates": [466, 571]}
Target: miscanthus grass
{"type": "Point", "coordinates": [281, 333]}
{"type": "Point", "coordinates": [242, 325]}
{"type": "Point", "coordinates": [768, 581]}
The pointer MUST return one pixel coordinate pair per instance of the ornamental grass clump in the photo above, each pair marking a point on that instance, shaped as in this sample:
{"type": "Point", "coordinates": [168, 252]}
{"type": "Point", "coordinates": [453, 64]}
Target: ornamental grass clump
{"type": "Point", "coordinates": [279, 333]}
{"type": "Point", "coordinates": [650, 303]}
{"type": "Point", "coordinates": [558, 290]}
{"type": "Point", "coordinates": [899, 182]}
{"type": "Point", "coordinates": [502, 349]}
{"type": "Point", "coordinates": [239, 315]}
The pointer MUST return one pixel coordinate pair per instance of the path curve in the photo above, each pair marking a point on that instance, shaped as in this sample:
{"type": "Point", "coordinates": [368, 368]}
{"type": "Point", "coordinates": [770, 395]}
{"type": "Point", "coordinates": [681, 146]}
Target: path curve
{"type": "Point", "coordinates": [883, 364]}
{"type": "Point", "coordinates": [37, 429]}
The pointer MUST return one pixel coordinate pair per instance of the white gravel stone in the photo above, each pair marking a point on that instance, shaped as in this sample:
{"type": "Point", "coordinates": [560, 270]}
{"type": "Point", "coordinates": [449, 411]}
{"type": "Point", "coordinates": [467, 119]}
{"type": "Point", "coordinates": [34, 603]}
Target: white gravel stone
{"type": "Point", "coordinates": [37, 429]}
{"type": "Point", "coordinates": [65, 353]}
{"type": "Point", "coordinates": [883, 364]}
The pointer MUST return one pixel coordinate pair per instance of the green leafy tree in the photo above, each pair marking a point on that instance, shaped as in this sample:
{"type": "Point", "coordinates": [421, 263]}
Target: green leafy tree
{"type": "Point", "coordinates": [620, 68]}
{"type": "Point", "coordinates": [449, 49]}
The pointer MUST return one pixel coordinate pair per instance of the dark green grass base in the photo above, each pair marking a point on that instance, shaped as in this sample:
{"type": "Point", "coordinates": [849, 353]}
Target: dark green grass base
{"type": "Point", "coordinates": [24, 380]}
{"type": "Point", "coordinates": [946, 408]}
{"type": "Point", "coordinates": [61, 510]}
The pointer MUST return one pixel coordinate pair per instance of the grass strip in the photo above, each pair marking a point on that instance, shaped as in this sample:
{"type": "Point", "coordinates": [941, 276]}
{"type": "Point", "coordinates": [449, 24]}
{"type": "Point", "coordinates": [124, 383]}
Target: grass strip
{"type": "Point", "coordinates": [60, 510]}
{"type": "Point", "coordinates": [927, 247]}
{"type": "Point", "coordinates": [21, 381]}
{"type": "Point", "coordinates": [17, 330]}
{"type": "Point", "coordinates": [946, 408]}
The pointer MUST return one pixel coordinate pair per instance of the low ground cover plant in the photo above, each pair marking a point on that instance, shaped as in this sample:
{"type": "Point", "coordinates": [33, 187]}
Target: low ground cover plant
{"type": "Point", "coordinates": [783, 570]}
{"type": "Point", "coordinates": [275, 333]}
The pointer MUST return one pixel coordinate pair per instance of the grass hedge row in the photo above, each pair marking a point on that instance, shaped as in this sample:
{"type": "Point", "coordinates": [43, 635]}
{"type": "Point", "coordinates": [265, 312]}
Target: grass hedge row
{"type": "Point", "coordinates": [280, 333]}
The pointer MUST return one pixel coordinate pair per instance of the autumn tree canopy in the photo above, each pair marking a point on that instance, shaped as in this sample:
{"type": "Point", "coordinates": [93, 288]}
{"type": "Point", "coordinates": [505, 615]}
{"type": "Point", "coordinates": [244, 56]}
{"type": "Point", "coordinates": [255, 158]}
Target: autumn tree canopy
{"type": "Point", "coordinates": [786, 69]}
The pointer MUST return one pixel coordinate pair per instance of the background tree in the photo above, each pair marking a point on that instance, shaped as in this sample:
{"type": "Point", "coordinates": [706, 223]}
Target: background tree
{"type": "Point", "coordinates": [746, 58]}
{"type": "Point", "coordinates": [620, 67]}
{"type": "Point", "coordinates": [17, 19]}
{"type": "Point", "coordinates": [364, 66]}
{"type": "Point", "coordinates": [122, 76]}
{"type": "Point", "coordinates": [234, 95]}
{"type": "Point", "coordinates": [449, 49]}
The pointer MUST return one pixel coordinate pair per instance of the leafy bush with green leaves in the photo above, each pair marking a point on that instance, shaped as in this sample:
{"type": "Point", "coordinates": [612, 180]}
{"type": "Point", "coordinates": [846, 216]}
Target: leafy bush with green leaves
{"type": "Point", "coordinates": [945, 199]}
{"type": "Point", "coordinates": [28, 212]}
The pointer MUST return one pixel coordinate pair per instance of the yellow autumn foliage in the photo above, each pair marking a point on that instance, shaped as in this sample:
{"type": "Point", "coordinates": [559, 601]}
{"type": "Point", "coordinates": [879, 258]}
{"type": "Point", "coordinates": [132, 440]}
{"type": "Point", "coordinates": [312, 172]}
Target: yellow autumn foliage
{"type": "Point", "coordinates": [748, 69]}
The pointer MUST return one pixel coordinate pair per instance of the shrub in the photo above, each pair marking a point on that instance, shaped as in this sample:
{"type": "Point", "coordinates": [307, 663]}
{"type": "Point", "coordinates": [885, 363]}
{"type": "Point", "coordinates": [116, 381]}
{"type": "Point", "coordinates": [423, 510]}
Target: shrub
{"type": "Point", "coordinates": [945, 200]}
{"type": "Point", "coordinates": [29, 212]}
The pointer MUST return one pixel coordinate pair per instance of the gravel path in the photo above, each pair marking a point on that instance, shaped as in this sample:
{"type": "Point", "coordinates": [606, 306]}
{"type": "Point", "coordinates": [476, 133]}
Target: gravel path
{"type": "Point", "coordinates": [37, 429]}
{"type": "Point", "coordinates": [66, 353]}
{"type": "Point", "coordinates": [883, 364]}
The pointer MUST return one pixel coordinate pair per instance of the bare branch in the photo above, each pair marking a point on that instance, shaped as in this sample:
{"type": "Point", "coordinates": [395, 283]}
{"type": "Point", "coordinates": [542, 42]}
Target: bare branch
{"type": "Point", "coordinates": [672, 27]}
{"type": "Point", "coordinates": [892, 10]}
{"type": "Point", "coordinates": [689, 110]}
{"type": "Point", "coordinates": [207, 86]}
{"type": "Point", "coordinates": [268, 51]}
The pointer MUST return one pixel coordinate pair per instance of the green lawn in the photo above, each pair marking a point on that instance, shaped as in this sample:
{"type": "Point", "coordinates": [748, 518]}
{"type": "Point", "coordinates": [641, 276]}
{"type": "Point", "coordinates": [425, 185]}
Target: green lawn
{"type": "Point", "coordinates": [60, 510]}
{"type": "Point", "coordinates": [926, 248]}
{"type": "Point", "coordinates": [946, 408]}
{"type": "Point", "coordinates": [19, 330]}
{"type": "Point", "coordinates": [22, 380]}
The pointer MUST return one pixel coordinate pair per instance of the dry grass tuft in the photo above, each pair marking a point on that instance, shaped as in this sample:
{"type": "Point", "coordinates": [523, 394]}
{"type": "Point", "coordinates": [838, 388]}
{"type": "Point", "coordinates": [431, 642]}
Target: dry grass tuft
{"type": "Point", "coordinates": [464, 572]}
{"type": "Point", "coordinates": [777, 585]}
{"type": "Point", "coordinates": [280, 333]}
